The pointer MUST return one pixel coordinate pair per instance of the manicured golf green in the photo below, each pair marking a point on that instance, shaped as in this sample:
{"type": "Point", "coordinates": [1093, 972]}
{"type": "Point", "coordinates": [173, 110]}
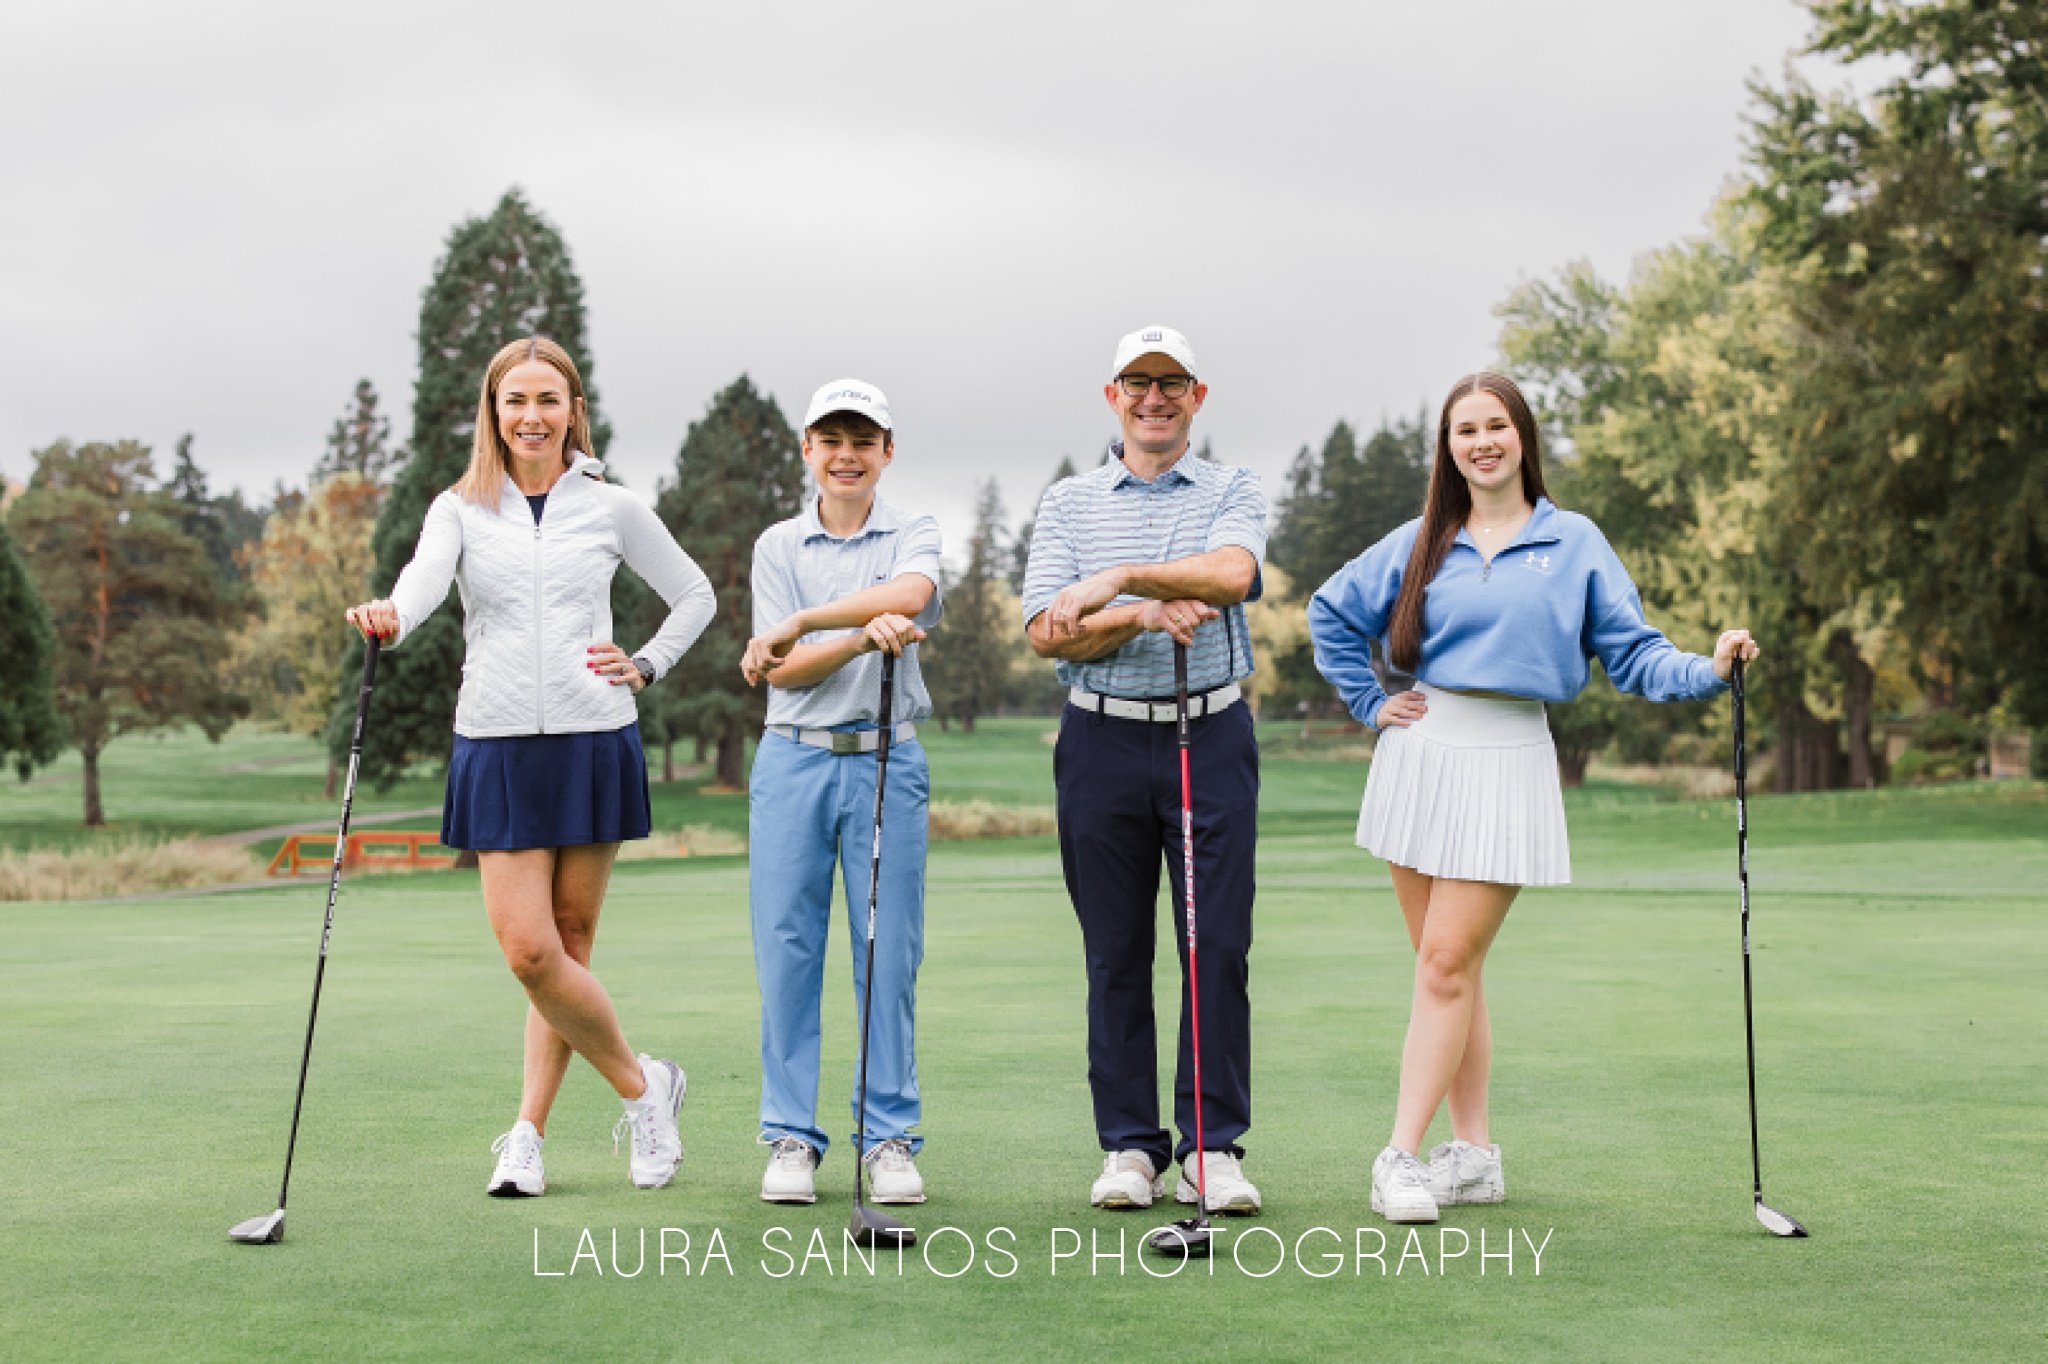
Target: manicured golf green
{"type": "Point", "coordinates": [148, 1051]}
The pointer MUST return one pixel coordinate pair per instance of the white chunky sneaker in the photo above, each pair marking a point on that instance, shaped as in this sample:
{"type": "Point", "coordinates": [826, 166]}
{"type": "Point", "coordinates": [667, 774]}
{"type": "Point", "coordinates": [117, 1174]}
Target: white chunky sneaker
{"type": "Point", "coordinates": [1230, 1192]}
{"type": "Point", "coordinates": [1460, 1172]}
{"type": "Point", "coordinates": [1128, 1181]}
{"type": "Point", "coordinates": [519, 1173]}
{"type": "Point", "coordinates": [651, 1120]}
{"type": "Point", "coordinates": [1400, 1188]}
{"type": "Point", "coordinates": [892, 1173]}
{"type": "Point", "coordinates": [789, 1177]}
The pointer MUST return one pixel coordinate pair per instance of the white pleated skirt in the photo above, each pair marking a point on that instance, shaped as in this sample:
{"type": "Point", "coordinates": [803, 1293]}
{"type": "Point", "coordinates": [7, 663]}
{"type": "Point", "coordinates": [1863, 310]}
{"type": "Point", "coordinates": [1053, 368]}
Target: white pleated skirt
{"type": "Point", "coordinates": [1470, 791]}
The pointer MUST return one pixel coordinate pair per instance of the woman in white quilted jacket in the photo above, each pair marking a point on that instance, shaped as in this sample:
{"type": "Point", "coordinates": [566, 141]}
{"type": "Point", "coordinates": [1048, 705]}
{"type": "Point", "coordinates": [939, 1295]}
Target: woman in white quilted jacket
{"type": "Point", "coordinates": [547, 776]}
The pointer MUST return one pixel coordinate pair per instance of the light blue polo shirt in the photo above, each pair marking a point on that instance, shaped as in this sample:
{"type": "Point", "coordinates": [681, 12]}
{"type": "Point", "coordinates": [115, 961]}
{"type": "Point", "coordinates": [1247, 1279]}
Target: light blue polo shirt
{"type": "Point", "coordinates": [1110, 516]}
{"type": "Point", "coordinates": [798, 564]}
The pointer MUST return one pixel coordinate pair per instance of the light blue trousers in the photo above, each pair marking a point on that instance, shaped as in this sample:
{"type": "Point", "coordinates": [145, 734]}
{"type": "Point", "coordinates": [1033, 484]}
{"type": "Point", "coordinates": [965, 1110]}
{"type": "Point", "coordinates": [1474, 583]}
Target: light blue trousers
{"type": "Point", "coordinates": [810, 809]}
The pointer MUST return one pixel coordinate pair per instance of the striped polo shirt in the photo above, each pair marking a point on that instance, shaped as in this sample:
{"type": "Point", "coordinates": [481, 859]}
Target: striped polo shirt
{"type": "Point", "coordinates": [798, 563]}
{"type": "Point", "coordinates": [1110, 516]}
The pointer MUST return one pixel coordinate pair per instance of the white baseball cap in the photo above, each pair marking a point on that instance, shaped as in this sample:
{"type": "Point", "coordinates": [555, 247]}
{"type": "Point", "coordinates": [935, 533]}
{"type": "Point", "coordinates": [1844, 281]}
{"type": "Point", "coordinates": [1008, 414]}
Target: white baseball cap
{"type": "Point", "coordinates": [848, 395]}
{"type": "Point", "coordinates": [1153, 341]}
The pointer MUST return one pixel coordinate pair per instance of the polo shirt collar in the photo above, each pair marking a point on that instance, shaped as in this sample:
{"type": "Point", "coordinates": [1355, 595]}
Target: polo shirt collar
{"type": "Point", "coordinates": [882, 519]}
{"type": "Point", "coordinates": [1181, 470]}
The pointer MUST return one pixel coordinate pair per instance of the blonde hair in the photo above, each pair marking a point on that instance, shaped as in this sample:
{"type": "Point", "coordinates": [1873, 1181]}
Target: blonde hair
{"type": "Point", "coordinates": [484, 481]}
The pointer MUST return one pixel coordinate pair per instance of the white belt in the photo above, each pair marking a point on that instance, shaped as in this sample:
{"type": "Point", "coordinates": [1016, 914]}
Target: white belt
{"type": "Point", "coordinates": [844, 741]}
{"type": "Point", "coordinates": [1158, 712]}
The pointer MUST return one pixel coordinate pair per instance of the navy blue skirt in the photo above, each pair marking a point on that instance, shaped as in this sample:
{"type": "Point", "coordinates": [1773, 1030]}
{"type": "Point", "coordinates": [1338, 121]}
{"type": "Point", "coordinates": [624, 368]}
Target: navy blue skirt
{"type": "Point", "coordinates": [546, 791]}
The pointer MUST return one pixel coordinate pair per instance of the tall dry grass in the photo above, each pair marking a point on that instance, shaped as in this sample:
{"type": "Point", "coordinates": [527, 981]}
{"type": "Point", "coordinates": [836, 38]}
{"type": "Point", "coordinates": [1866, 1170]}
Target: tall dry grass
{"type": "Point", "coordinates": [127, 867]}
{"type": "Point", "coordinates": [984, 819]}
{"type": "Point", "coordinates": [692, 840]}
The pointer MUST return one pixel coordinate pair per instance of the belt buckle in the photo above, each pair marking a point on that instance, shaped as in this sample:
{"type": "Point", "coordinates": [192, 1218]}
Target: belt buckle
{"type": "Point", "coordinates": [845, 741]}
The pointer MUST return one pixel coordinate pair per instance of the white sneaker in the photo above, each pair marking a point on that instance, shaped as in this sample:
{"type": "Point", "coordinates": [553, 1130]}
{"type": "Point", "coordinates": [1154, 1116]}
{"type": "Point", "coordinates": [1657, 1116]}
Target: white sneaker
{"type": "Point", "coordinates": [1460, 1172]}
{"type": "Point", "coordinates": [651, 1120]}
{"type": "Point", "coordinates": [1400, 1188]}
{"type": "Point", "coordinates": [519, 1173]}
{"type": "Point", "coordinates": [1230, 1192]}
{"type": "Point", "coordinates": [789, 1177]}
{"type": "Point", "coordinates": [892, 1173]}
{"type": "Point", "coordinates": [1128, 1181]}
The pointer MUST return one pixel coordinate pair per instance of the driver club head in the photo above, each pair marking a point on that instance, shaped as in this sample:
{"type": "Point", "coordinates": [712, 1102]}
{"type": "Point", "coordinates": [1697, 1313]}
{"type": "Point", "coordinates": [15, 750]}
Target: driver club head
{"type": "Point", "coordinates": [1777, 1223]}
{"type": "Point", "coordinates": [267, 1230]}
{"type": "Point", "coordinates": [1187, 1239]}
{"type": "Point", "coordinates": [871, 1228]}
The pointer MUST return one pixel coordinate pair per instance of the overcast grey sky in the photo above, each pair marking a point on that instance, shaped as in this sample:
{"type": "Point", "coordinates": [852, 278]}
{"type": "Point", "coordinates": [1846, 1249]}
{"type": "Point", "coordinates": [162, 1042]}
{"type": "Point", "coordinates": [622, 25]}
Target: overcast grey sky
{"type": "Point", "coordinates": [220, 215]}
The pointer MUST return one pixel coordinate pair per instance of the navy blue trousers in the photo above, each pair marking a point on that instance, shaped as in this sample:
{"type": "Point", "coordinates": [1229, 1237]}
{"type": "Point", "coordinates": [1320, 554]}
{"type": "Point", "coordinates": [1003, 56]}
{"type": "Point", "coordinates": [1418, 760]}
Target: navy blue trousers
{"type": "Point", "coordinates": [1119, 818]}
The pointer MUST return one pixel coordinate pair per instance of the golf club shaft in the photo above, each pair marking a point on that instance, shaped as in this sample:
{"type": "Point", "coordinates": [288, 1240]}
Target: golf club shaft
{"type": "Point", "coordinates": [348, 799]}
{"type": "Point", "coordinates": [1187, 871]}
{"type": "Point", "coordinates": [885, 726]}
{"type": "Point", "coordinates": [1756, 1168]}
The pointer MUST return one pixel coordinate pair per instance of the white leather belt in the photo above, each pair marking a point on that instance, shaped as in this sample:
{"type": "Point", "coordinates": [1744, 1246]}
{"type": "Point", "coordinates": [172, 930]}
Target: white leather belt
{"type": "Point", "coordinates": [844, 741]}
{"type": "Point", "coordinates": [1158, 712]}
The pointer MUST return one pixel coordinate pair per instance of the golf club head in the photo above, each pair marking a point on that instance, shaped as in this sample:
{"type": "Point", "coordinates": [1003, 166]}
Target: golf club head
{"type": "Point", "coordinates": [871, 1228]}
{"type": "Point", "coordinates": [1777, 1223]}
{"type": "Point", "coordinates": [268, 1230]}
{"type": "Point", "coordinates": [1187, 1239]}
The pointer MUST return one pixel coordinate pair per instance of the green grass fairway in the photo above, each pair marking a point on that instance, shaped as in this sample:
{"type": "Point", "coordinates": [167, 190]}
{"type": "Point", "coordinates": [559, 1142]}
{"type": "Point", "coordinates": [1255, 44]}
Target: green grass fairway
{"type": "Point", "coordinates": [148, 1051]}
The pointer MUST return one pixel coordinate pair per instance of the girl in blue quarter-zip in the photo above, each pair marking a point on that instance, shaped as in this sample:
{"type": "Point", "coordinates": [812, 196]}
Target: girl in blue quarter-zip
{"type": "Point", "coordinates": [547, 776]}
{"type": "Point", "coordinates": [1493, 600]}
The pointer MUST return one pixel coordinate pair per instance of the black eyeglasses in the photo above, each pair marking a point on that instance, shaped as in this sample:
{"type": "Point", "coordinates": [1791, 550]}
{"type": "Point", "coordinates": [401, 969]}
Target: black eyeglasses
{"type": "Point", "coordinates": [1170, 385]}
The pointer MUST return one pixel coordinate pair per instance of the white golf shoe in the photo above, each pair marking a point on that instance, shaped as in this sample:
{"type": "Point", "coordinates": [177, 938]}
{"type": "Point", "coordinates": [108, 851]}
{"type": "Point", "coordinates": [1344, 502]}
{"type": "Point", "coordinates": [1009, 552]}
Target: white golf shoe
{"type": "Point", "coordinates": [1400, 1188]}
{"type": "Point", "coordinates": [1128, 1180]}
{"type": "Point", "coordinates": [1230, 1193]}
{"type": "Point", "coordinates": [892, 1173]}
{"type": "Point", "coordinates": [790, 1176]}
{"type": "Point", "coordinates": [1460, 1172]}
{"type": "Point", "coordinates": [519, 1173]}
{"type": "Point", "coordinates": [651, 1121]}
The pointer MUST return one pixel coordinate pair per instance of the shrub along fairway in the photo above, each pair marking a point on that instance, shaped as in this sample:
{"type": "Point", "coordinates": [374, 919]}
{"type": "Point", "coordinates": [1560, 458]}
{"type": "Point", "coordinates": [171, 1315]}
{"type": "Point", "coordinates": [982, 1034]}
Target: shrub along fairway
{"type": "Point", "coordinates": [149, 1051]}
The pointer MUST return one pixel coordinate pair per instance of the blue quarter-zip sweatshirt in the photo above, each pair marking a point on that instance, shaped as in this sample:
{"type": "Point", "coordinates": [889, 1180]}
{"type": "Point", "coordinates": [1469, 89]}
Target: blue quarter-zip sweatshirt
{"type": "Point", "coordinates": [1523, 624]}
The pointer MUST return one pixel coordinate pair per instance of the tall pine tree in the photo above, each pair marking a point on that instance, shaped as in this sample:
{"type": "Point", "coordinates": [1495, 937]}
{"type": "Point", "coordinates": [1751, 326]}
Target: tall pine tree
{"type": "Point", "coordinates": [504, 276]}
{"type": "Point", "coordinates": [739, 471]}
{"type": "Point", "coordinates": [359, 442]}
{"type": "Point", "coordinates": [30, 732]}
{"type": "Point", "coordinates": [140, 600]}
{"type": "Point", "coordinates": [969, 660]}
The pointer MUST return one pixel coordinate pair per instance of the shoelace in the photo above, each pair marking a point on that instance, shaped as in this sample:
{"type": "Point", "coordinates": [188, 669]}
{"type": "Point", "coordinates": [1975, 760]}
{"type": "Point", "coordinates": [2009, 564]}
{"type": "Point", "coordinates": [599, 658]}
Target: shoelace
{"type": "Point", "coordinates": [789, 1150]}
{"type": "Point", "coordinates": [1120, 1161]}
{"type": "Point", "coordinates": [518, 1149]}
{"type": "Point", "coordinates": [893, 1154]}
{"type": "Point", "coordinates": [639, 1121]}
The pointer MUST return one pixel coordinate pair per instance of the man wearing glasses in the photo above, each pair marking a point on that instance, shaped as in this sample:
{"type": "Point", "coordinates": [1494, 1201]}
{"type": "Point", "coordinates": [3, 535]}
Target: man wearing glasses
{"type": "Point", "coordinates": [1154, 548]}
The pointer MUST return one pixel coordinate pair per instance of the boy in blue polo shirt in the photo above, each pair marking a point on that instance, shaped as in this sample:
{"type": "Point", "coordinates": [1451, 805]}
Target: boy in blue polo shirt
{"type": "Point", "coordinates": [833, 588]}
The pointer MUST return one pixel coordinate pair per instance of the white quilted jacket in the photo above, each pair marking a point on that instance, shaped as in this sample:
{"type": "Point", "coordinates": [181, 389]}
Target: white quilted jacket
{"type": "Point", "coordinates": [535, 597]}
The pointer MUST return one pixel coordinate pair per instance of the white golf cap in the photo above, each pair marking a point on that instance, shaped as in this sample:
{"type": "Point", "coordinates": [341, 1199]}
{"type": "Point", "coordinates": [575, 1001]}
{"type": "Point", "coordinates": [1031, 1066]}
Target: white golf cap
{"type": "Point", "coordinates": [848, 395]}
{"type": "Point", "coordinates": [1153, 341]}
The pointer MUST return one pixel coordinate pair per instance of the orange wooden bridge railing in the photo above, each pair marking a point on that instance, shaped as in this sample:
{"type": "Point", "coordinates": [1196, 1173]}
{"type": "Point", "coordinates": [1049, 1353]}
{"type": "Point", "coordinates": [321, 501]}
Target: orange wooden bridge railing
{"type": "Point", "coordinates": [358, 856]}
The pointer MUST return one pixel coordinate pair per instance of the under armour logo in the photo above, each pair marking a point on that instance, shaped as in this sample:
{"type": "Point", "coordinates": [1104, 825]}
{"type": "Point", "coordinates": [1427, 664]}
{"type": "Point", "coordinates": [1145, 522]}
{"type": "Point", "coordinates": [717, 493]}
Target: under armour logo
{"type": "Point", "coordinates": [1539, 562]}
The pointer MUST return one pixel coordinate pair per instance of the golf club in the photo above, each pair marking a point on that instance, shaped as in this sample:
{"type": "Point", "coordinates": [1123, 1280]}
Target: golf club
{"type": "Point", "coordinates": [1189, 1237]}
{"type": "Point", "coordinates": [1775, 1222]}
{"type": "Point", "coordinates": [269, 1228]}
{"type": "Point", "coordinates": [869, 1227]}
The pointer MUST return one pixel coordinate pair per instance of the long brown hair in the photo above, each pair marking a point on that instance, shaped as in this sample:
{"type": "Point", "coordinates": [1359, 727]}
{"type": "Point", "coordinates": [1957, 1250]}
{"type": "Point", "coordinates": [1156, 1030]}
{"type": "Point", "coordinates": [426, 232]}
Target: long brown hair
{"type": "Point", "coordinates": [489, 457]}
{"type": "Point", "coordinates": [1448, 505]}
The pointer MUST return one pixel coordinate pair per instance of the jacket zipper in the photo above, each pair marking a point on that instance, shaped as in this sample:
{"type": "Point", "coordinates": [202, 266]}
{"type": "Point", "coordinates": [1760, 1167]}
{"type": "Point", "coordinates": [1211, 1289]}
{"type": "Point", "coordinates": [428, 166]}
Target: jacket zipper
{"type": "Point", "coordinates": [540, 681]}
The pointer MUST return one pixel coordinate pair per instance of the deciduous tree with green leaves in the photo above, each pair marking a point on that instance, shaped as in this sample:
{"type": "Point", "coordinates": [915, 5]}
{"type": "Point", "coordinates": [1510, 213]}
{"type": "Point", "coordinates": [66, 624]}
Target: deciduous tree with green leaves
{"type": "Point", "coordinates": [311, 565]}
{"type": "Point", "coordinates": [142, 609]}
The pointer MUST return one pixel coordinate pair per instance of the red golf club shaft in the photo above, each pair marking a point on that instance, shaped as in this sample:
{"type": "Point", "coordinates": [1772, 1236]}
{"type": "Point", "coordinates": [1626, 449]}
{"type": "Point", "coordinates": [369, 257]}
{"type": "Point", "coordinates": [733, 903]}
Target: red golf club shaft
{"type": "Point", "coordinates": [1187, 869]}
